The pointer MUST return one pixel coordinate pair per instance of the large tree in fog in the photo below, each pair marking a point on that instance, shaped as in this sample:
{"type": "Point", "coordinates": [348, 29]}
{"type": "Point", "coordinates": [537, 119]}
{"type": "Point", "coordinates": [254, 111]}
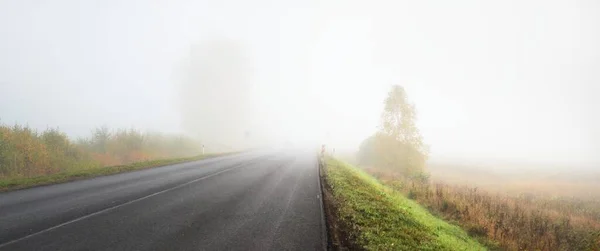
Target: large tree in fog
{"type": "Point", "coordinates": [215, 94]}
{"type": "Point", "coordinates": [398, 119]}
{"type": "Point", "coordinates": [398, 144]}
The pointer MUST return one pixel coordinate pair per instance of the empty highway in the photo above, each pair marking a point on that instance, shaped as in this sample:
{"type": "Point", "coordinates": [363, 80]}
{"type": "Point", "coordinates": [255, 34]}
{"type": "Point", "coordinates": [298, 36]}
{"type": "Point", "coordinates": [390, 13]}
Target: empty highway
{"type": "Point", "coordinates": [249, 201]}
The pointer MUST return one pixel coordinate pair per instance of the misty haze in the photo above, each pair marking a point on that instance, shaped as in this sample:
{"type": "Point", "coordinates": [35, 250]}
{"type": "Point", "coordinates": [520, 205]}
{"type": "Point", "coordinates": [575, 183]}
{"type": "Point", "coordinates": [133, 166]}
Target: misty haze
{"type": "Point", "coordinates": [300, 125]}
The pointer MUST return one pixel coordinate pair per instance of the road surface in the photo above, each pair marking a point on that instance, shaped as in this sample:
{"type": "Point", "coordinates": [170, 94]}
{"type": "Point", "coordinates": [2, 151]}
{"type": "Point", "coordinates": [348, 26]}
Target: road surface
{"type": "Point", "coordinates": [249, 201]}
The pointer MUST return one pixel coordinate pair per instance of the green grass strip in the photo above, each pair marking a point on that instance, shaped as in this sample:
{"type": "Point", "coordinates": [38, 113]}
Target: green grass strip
{"type": "Point", "coordinates": [379, 218]}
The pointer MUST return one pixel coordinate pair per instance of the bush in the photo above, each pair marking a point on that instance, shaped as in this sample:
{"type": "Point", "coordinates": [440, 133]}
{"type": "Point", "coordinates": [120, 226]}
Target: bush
{"type": "Point", "coordinates": [26, 153]}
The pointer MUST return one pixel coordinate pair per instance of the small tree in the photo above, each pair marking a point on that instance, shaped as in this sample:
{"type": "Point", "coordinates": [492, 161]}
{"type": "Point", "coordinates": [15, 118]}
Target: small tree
{"type": "Point", "coordinates": [100, 138]}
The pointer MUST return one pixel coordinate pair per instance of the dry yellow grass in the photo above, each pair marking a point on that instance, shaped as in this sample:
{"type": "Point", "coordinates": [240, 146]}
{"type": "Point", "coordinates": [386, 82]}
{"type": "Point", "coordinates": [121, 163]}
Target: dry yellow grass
{"type": "Point", "coordinates": [524, 222]}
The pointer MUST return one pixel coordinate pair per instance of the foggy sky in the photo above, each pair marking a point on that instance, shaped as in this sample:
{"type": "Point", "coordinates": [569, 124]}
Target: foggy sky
{"type": "Point", "coordinates": [491, 80]}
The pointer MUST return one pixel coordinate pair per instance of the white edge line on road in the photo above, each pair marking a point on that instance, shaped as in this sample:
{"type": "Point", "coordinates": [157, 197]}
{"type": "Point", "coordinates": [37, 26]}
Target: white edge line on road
{"type": "Point", "coordinates": [117, 206]}
{"type": "Point", "coordinates": [324, 233]}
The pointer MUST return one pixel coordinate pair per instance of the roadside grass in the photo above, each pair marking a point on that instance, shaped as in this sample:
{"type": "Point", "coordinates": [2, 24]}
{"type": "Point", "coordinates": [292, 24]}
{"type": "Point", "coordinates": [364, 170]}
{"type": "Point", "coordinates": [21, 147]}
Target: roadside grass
{"type": "Point", "coordinates": [372, 216]}
{"type": "Point", "coordinates": [16, 183]}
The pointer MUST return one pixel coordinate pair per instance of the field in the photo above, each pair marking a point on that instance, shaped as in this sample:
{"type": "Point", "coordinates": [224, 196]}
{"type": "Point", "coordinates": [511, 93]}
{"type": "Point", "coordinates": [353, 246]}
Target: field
{"type": "Point", "coordinates": [364, 214]}
{"type": "Point", "coordinates": [522, 179]}
{"type": "Point", "coordinates": [511, 210]}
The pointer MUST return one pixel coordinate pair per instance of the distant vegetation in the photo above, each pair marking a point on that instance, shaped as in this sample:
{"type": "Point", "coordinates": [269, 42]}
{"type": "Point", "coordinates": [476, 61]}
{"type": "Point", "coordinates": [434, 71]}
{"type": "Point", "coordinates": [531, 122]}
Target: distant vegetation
{"type": "Point", "coordinates": [26, 153]}
{"type": "Point", "coordinates": [396, 156]}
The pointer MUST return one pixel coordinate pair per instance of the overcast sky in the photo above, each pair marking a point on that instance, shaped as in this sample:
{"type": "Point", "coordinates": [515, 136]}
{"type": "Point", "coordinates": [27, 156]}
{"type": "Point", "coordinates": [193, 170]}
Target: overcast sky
{"type": "Point", "coordinates": [490, 79]}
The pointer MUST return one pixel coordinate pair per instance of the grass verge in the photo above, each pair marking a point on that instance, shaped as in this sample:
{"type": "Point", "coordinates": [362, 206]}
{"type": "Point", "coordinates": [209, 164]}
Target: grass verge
{"type": "Point", "coordinates": [363, 214]}
{"type": "Point", "coordinates": [71, 175]}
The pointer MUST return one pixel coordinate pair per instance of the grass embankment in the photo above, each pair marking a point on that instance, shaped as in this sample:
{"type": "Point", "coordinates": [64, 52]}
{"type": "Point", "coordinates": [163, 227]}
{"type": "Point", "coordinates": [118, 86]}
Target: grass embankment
{"type": "Point", "coordinates": [364, 214]}
{"type": "Point", "coordinates": [66, 176]}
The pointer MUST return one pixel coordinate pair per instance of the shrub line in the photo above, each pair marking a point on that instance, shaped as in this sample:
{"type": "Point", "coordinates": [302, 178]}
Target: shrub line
{"type": "Point", "coordinates": [11, 184]}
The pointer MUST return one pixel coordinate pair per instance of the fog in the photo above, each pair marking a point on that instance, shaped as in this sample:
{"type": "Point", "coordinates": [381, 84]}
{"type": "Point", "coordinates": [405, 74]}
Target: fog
{"type": "Point", "coordinates": [495, 80]}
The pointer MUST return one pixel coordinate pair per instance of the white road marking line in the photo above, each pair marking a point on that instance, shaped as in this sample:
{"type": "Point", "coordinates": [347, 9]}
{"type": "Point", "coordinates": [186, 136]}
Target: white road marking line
{"type": "Point", "coordinates": [115, 207]}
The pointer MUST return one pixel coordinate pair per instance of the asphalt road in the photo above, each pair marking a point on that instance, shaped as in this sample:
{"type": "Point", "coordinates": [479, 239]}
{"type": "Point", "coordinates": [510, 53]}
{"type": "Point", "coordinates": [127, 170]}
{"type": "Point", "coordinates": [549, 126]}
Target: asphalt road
{"type": "Point", "coordinates": [250, 201]}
